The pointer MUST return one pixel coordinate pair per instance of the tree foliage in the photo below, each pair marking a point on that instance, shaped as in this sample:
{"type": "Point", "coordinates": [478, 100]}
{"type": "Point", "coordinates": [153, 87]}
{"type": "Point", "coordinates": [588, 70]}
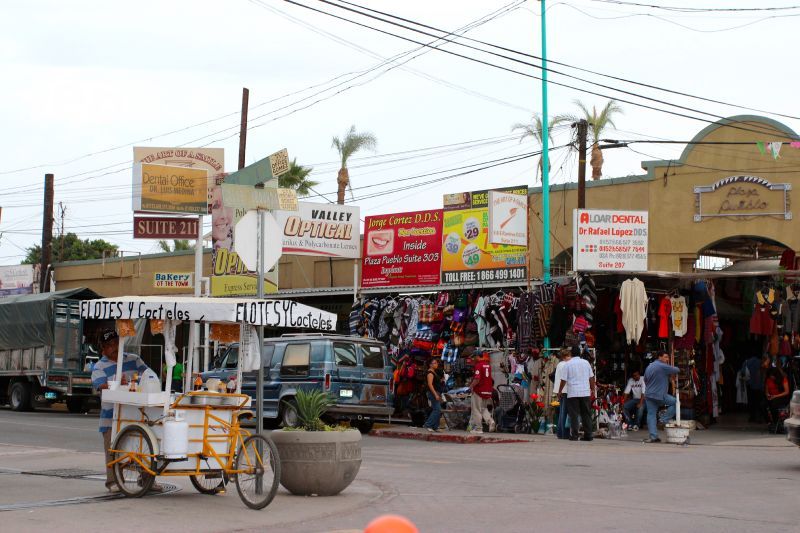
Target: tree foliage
{"type": "Point", "coordinates": [176, 246]}
{"type": "Point", "coordinates": [70, 248]}
{"type": "Point", "coordinates": [297, 178]}
{"type": "Point", "coordinates": [348, 145]}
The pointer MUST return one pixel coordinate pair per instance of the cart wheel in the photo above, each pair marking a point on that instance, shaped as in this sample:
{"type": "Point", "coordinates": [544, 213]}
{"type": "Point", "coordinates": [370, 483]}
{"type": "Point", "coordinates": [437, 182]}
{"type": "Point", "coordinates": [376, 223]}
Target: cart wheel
{"type": "Point", "coordinates": [131, 478]}
{"type": "Point", "coordinates": [258, 471]}
{"type": "Point", "coordinates": [210, 483]}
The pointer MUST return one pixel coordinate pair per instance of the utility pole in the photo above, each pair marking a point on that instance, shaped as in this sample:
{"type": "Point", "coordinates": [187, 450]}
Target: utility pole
{"type": "Point", "coordinates": [583, 131]}
{"type": "Point", "coordinates": [62, 211]}
{"type": "Point", "coordinates": [47, 233]}
{"type": "Point", "coordinates": [243, 126]}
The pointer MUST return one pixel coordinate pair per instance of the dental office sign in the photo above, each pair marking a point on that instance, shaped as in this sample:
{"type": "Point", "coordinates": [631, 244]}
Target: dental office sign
{"type": "Point", "coordinates": [610, 240]}
{"type": "Point", "coordinates": [402, 249]}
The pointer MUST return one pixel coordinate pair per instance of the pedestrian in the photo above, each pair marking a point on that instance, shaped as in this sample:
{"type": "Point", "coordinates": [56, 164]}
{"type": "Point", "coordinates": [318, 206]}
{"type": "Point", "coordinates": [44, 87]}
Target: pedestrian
{"type": "Point", "coordinates": [756, 404]}
{"type": "Point", "coordinates": [777, 393]}
{"type": "Point", "coordinates": [656, 394]}
{"type": "Point", "coordinates": [564, 355]}
{"type": "Point", "coordinates": [578, 380]}
{"type": "Point", "coordinates": [105, 370]}
{"type": "Point", "coordinates": [482, 386]}
{"type": "Point", "coordinates": [636, 388]}
{"type": "Point", "coordinates": [434, 386]}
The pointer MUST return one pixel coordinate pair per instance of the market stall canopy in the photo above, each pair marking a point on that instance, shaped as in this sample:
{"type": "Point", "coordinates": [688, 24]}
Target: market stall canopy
{"type": "Point", "coordinates": [26, 321]}
{"type": "Point", "coordinates": [251, 311]}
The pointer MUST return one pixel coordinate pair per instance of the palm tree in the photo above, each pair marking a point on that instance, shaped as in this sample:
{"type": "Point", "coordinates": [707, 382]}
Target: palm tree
{"type": "Point", "coordinates": [177, 245]}
{"type": "Point", "coordinates": [534, 129]}
{"type": "Point", "coordinates": [598, 122]}
{"type": "Point", "coordinates": [296, 178]}
{"type": "Point", "coordinates": [351, 143]}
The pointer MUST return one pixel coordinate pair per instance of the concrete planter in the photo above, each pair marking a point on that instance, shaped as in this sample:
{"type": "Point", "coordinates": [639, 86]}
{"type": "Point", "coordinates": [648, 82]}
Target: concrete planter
{"type": "Point", "coordinates": [318, 462]}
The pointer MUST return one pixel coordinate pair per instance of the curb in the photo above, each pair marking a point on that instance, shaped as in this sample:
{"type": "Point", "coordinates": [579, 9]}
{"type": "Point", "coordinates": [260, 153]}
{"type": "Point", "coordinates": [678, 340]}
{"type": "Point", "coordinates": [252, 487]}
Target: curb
{"type": "Point", "coordinates": [446, 437]}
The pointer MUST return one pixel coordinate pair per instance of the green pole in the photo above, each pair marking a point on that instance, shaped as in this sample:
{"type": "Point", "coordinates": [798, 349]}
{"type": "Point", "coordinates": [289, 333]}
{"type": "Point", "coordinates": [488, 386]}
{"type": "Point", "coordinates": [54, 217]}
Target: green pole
{"type": "Point", "coordinates": [545, 158]}
{"type": "Point", "coordinates": [545, 164]}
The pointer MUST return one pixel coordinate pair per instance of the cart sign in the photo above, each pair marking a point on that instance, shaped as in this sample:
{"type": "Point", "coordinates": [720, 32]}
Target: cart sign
{"type": "Point", "coordinates": [402, 249]}
{"type": "Point", "coordinates": [277, 313]}
{"type": "Point", "coordinates": [172, 280]}
{"type": "Point", "coordinates": [508, 218]}
{"type": "Point", "coordinates": [610, 240]}
{"type": "Point", "coordinates": [163, 188]}
{"type": "Point", "coordinates": [164, 228]}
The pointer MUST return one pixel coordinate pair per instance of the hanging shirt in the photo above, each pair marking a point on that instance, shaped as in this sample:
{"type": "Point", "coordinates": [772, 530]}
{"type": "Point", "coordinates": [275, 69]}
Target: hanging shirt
{"type": "Point", "coordinates": [664, 317]}
{"type": "Point", "coordinates": [680, 315]}
{"type": "Point", "coordinates": [633, 303]}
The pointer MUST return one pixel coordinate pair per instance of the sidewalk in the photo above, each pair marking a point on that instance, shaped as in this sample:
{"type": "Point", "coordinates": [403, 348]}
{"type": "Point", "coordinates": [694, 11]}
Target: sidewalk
{"type": "Point", "coordinates": [716, 436]}
{"type": "Point", "coordinates": [62, 490]}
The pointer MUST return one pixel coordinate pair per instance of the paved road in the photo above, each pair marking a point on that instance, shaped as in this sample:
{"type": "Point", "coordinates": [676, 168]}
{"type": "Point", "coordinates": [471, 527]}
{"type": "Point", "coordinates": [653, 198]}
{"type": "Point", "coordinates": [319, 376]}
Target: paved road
{"type": "Point", "coordinates": [747, 484]}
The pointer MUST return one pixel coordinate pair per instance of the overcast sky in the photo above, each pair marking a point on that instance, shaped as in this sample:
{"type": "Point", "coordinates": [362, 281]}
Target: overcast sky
{"type": "Point", "coordinates": [93, 77]}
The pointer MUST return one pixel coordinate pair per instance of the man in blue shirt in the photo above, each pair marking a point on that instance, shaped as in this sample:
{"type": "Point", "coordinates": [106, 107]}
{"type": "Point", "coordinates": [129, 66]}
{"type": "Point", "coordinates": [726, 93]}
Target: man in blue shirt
{"type": "Point", "coordinates": [656, 381]}
{"type": "Point", "coordinates": [105, 370]}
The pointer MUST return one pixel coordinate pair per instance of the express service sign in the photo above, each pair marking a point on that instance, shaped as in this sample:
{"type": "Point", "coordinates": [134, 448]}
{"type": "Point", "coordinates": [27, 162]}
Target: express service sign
{"type": "Point", "coordinates": [402, 249]}
{"type": "Point", "coordinates": [468, 255]}
{"type": "Point", "coordinates": [610, 240]}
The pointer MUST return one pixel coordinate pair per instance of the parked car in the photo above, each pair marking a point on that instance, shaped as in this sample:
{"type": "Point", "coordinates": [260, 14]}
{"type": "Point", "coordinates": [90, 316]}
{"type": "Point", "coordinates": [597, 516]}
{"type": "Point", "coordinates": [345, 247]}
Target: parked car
{"type": "Point", "coordinates": [354, 370]}
{"type": "Point", "coordinates": [792, 424]}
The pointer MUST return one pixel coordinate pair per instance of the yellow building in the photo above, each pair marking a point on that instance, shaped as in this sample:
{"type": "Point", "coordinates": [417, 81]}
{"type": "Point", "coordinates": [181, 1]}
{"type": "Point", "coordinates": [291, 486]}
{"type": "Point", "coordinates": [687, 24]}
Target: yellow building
{"type": "Point", "coordinates": [721, 198]}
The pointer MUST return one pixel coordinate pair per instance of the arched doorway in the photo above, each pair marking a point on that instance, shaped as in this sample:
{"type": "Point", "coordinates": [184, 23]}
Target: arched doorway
{"type": "Point", "coordinates": [725, 253]}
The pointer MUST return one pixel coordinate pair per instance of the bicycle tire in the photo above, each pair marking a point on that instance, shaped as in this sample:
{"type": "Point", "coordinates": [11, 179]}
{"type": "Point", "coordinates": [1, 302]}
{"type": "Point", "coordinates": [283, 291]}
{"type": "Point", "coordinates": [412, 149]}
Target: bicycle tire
{"type": "Point", "coordinates": [258, 471]}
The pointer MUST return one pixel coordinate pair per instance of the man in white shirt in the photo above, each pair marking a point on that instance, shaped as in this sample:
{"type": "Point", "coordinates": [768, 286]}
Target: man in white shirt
{"type": "Point", "coordinates": [636, 389]}
{"type": "Point", "coordinates": [564, 355]}
{"type": "Point", "coordinates": [578, 379]}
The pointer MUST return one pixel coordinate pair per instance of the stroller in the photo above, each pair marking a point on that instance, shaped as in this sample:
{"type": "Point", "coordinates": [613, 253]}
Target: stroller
{"type": "Point", "coordinates": [510, 414]}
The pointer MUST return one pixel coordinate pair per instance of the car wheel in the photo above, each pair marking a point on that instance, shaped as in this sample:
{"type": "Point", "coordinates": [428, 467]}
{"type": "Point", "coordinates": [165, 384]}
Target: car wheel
{"type": "Point", "coordinates": [21, 396]}
{"type": "Point", "coordinates": [364, 426]}
{"type": "Point", "coordinates": [76, 405]}
{"type": "Point", "coordinates": [288, 416]}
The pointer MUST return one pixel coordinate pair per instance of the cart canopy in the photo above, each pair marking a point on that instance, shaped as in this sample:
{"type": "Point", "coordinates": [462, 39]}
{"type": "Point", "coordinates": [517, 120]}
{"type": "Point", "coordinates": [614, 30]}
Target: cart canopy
{"type": "Point", "coordinates": [251, 311]}
{"type": "Point", "coordinates": [26, 321]}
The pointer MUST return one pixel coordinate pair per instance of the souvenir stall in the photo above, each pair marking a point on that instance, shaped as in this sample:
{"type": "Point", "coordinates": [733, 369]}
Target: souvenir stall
{"type": "Point", "coordinates": [506, 326]}
{"type": "Point", "coordinates": [709, 322]}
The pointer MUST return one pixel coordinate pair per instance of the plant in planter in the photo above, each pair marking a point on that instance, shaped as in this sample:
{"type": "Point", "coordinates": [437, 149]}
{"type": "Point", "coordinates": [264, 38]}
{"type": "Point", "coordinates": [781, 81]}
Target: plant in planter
{"type": "Point", "coordinates": [316, 458]}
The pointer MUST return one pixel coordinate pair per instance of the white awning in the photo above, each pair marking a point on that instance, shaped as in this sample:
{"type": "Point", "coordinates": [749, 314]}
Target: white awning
{"type": "Point", "coordinates": [252, 311]}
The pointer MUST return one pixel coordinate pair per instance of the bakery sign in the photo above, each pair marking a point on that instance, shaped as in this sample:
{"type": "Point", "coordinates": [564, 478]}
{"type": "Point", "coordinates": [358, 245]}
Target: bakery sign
{"type": "Point", "coordinates": [742, 196]}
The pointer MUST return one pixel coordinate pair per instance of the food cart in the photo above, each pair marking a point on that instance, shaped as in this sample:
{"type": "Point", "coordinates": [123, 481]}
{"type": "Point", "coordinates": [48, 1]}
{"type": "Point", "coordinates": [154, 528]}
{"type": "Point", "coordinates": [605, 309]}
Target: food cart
{"type": "Point", "coordinates": [197, 434]}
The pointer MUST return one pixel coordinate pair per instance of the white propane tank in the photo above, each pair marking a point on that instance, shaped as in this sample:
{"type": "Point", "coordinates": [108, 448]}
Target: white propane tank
{"type": "Point", "coordinates": [175, 444]}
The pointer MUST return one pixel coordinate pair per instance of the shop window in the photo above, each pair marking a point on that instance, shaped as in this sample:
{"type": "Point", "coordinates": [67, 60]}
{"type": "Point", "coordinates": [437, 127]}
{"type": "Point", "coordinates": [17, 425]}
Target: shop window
{"type": "Point", "coordinates": [296, 360]}
{"type": "Point", "coordinates": [345, 355]}
{"type": "Point", "coordinates": [373, 356]}
{"type": "Point", "coordinates": [232, 358]}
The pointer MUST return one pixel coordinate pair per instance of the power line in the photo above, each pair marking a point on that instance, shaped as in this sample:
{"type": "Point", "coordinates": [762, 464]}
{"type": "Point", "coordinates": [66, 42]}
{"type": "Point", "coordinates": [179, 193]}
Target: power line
{"type": "Point", "coordinates": [698, 9]}
{"type": "Point", "coordinates": [532, 56]}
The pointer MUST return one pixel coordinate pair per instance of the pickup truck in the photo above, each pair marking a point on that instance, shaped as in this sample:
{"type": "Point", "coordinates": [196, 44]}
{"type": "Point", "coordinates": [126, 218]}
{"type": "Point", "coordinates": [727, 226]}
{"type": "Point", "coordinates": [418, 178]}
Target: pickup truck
{"type": "Point", "coordinates": [43, 354]}
{"type": "Point", "coordinates": [354, 370]}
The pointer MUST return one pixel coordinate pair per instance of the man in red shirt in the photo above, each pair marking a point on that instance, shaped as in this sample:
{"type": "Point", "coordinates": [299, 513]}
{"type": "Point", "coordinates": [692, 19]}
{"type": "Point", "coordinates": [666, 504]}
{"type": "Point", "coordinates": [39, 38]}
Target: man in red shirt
{"type": "Point", "coordinates": [482, 386]}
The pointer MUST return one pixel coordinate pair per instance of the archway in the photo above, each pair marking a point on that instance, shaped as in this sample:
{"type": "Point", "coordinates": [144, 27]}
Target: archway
{"type": "Point", "coordinates": [726, 252]}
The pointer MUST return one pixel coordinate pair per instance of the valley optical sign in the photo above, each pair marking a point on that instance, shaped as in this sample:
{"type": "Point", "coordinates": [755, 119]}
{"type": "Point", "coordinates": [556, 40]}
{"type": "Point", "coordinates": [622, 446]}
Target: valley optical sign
{"type": "Point", "coordinates": [402, 249]}
{"type": "Point", "coordinates": [609, 240]}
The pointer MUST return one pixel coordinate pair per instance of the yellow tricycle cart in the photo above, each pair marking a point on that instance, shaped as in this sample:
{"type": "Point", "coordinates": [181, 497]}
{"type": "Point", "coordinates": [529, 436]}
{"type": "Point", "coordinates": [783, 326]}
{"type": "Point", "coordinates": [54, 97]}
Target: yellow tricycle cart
{"type": "Point", "coordinates": [197, 434]}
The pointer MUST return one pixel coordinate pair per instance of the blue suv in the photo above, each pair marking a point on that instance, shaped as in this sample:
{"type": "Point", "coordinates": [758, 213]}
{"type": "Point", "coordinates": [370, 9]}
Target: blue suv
{"type": "Point", "coordinates": [354, 370]}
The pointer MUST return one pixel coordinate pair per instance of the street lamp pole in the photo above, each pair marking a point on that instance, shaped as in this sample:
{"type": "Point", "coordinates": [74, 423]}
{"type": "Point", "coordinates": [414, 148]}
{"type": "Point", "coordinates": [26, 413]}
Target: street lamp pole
{"type": "Point", "coordinates": [545, 157]}
{"type": "Point", "coordinates": [545, 163]}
